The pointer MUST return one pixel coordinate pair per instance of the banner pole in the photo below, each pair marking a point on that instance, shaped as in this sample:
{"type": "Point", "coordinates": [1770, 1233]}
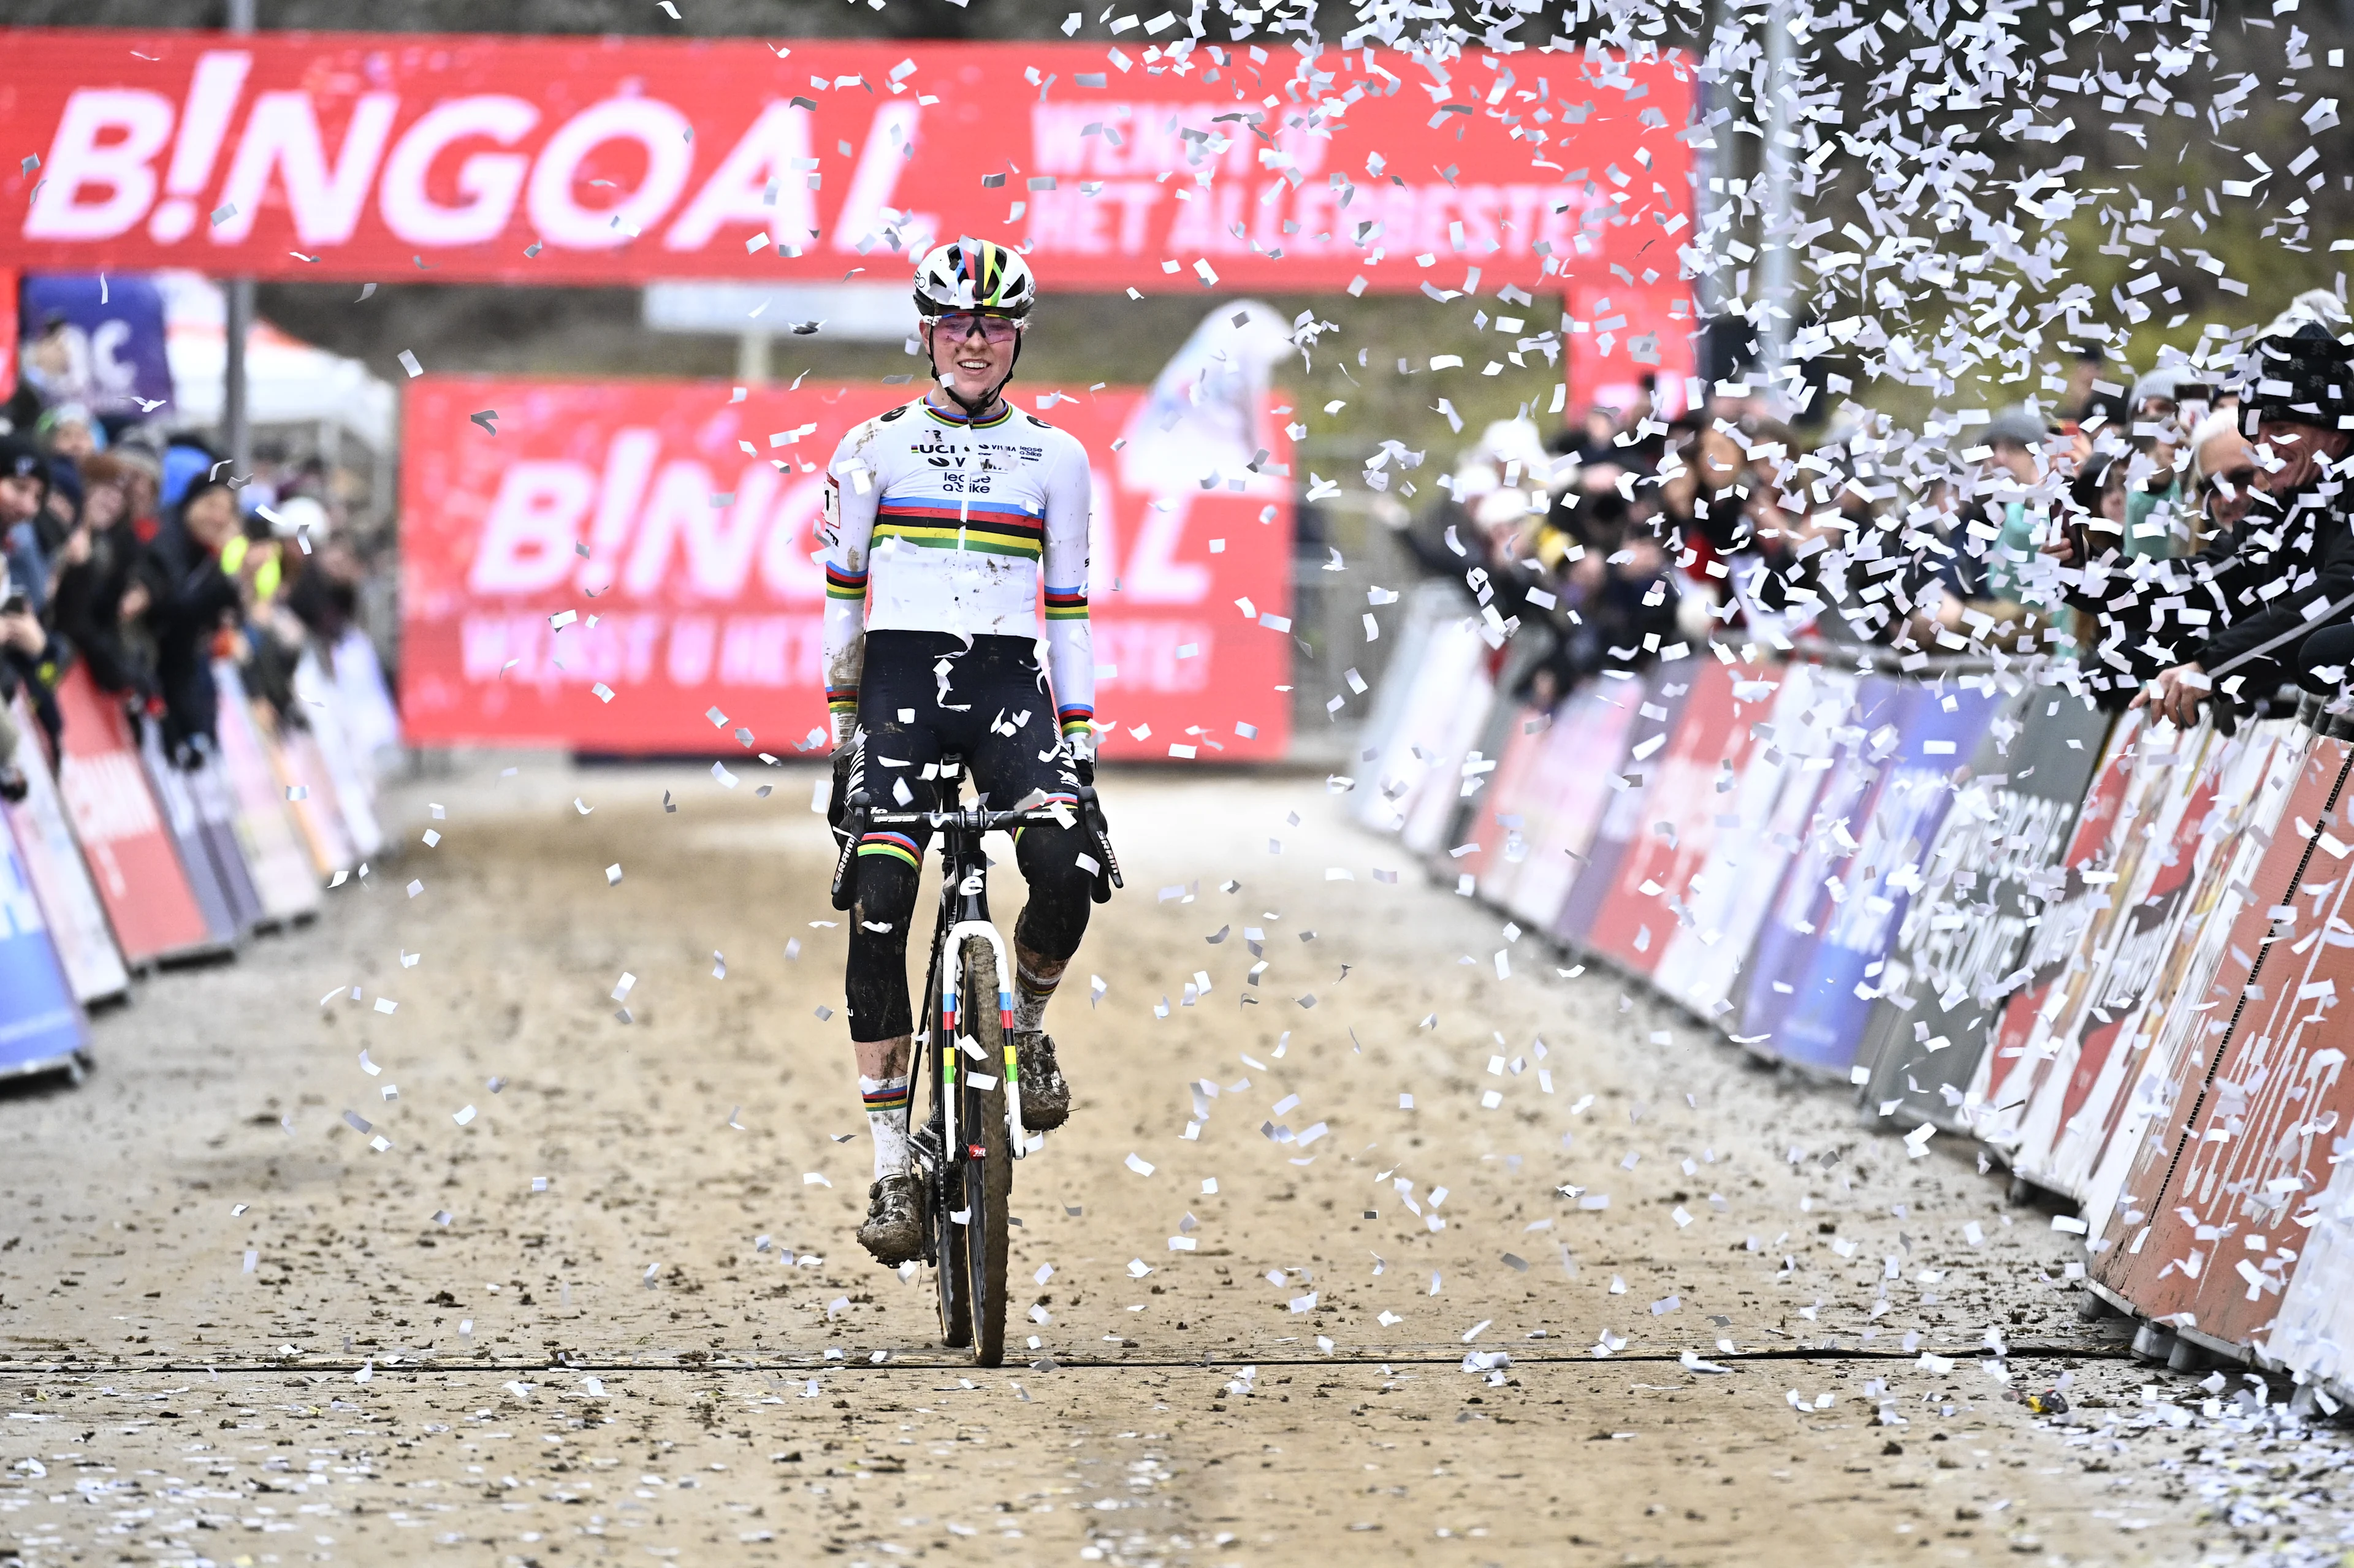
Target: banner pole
{"type": "Point", "coordinates": [752, 358]}
{"type": "Point", "coordinates": [237, 424]}
{"type": "Point", "coordinates": [1778, 218]}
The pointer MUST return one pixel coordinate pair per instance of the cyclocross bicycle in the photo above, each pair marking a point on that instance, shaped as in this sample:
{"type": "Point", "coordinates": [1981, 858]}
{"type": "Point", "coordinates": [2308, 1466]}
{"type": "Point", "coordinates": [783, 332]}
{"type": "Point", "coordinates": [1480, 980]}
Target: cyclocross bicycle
{"type": "Point", "coordinates": [967, 1148]}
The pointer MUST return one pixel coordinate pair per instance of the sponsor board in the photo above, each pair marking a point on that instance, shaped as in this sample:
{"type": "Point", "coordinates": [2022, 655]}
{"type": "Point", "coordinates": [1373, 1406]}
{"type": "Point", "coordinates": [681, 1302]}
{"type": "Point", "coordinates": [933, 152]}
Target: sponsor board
{"type": "Point", "coordinates": [41, 1025]}
{"type": "Point", "coordinates": [133, 856]}
{"type": "Point", "coordinates": [2147, 767]}
{"type": "Point", "coordinates": [228, 906]}
{"type": "Point", "coordinates": [60, 877]}
{"type": "Point", "coordinates": [2180, 1002]}
{"type": "Point", "coordinates": [1770, 805]}
{"type": "Point", "coordinates": [1436, 800]}
{"type": "Point", "coordinates": [1657, 699]}
{"type": "Point", "coordinates": [2212, 1214]}
{"type": "Point", "coordinates": [1491, 847]}
{"type": "Point", "coordinates": [2081, 1044]}
{"type": "Point", "coordinates": [112, 341]}
{"type": "Point", "coordinates": [1963, 934]}
{"type": "Point", "coordinates": [1578, 757]}
{"type": "Point", "coordinates": [283, 875]}
{"type": "Point", "coordinates": [2145, 967]}
{"type": "Point", "coordinates": [1780, 982]}
{"type": "Point", "coordinates": [1920, 734]}
{"type": "Point", "coordinates": [302, 778]}
{"type": "Point", "coordinates": [1157, 164]}
{"type": "Point", "coordinates": [625, 559]}
{"type": "Point", "coordinates": [1437, 657]}
{"type": "Point", "coordinates": [1663, 826]}
{"type": "Point", "coordinates": [351, 777]}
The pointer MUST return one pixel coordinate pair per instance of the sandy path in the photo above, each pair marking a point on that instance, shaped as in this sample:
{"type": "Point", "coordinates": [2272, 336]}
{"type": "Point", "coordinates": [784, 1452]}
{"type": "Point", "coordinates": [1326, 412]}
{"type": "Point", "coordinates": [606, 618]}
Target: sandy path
{"type": "Point", "coordinates": [568, 1329]}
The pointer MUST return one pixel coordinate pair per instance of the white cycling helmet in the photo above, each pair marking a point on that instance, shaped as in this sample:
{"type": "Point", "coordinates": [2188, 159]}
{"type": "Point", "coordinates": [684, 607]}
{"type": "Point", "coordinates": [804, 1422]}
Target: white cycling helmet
{"type": "Point", "coordinates": [974, 275]}
{"type": "Point", "coordinates": [979, 276]}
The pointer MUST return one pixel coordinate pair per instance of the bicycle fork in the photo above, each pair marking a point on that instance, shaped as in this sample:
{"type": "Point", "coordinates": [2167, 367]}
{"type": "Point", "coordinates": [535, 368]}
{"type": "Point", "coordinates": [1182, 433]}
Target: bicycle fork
{"type": "Point", "coordinates": [959, 1040]}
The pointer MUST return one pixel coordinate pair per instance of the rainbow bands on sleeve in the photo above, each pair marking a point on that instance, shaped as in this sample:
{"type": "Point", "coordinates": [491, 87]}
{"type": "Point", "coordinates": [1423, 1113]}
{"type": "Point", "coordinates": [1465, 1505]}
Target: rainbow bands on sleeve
{"type": "Point", "coordinates": [841, 699]}
{"type": "Point", "coordinates": [1076, 717]}
{"type": "Point", "coordinates": [1066, 604]}
{"type": "Point", "coordinates": [839, 584]}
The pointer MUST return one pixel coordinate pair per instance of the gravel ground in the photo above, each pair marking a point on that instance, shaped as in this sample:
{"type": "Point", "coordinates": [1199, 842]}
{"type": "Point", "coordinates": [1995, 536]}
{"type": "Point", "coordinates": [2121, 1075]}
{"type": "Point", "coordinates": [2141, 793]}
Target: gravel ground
{"type": "Point", "coordinates": [1490, 1261]}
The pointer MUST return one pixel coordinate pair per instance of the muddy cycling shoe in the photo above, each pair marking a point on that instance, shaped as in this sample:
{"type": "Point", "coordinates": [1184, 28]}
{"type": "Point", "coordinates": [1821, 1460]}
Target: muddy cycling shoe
{"type": "Point", "coordinates": [894, 1231]}
{"type": "Point", "coordinates": [1045, 1097]}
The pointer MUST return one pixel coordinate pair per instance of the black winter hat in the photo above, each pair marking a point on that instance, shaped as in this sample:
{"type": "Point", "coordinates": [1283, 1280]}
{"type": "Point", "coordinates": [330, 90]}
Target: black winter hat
{"type": "Point", "coordinates": [2305, 375]}
{"type": "Point", "coordinates": [21, 459]}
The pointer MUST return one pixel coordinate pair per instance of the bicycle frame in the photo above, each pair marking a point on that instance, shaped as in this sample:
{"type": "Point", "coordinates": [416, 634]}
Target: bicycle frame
{"type": "Point", "coordinates": [963, 914]}
{"type": "Point", "coordinates": [951, 1004]}
{"type": "Point", "coordinates": [965, 1170]}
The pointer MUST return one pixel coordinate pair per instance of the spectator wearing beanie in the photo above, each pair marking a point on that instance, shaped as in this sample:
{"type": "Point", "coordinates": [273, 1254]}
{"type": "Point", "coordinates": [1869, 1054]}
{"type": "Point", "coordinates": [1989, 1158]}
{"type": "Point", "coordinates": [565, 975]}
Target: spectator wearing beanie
{"type": "Point", "coordinates": [2267, 577]}
{"type": "Point", "coordinates": [24, 491]}
{"type": "Point", "coordinates": [87, 601]}
{"type": "Point", "coordinates": [184, 598]}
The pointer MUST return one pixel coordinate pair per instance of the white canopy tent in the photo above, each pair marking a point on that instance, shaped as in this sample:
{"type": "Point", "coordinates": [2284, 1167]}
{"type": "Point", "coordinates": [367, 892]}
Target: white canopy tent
{"type": "Point", "coordinates": [291, 382]}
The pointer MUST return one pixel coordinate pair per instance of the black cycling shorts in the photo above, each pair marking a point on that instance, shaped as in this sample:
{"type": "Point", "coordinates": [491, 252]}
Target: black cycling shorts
{"type": "Point", "coordinates": [925, 694]}
{"type": "Point", "coordinates": [922, 695]}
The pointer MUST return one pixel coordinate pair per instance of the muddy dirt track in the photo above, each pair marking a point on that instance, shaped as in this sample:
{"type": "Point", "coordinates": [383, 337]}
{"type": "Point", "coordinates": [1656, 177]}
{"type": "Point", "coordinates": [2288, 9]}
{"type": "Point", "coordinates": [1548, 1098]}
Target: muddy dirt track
{"type": "Point", "coordinates": [393, 1242]}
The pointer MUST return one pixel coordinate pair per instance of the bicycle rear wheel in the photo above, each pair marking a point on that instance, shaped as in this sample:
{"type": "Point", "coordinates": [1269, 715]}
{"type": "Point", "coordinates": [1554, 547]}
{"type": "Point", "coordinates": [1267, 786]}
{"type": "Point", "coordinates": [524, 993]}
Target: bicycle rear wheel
{"type": "Point", "coordinates": [987, 1162]}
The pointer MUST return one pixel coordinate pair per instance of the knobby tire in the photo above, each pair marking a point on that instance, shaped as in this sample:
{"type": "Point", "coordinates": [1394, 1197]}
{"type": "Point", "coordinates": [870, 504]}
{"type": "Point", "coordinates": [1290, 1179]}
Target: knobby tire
{"type": "Point", "coordinates": [948, 1255]}
{"type": "Point", "coordinates": [987, 1181]}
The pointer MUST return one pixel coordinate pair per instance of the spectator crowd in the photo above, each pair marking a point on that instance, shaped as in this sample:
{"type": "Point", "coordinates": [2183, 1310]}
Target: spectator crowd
{"type": "Point", "coordinates": [2178, 540]}
{"type": "Point", "coordinates": [138, 557]}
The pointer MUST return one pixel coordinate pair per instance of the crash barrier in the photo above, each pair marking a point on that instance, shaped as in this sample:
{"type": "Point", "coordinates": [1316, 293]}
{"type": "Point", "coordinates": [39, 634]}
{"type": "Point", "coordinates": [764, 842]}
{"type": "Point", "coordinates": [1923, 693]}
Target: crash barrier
{"type": "Point", "coordinates": [117, 860]}
{"type": "Point", "coordinates": [2108, 951]}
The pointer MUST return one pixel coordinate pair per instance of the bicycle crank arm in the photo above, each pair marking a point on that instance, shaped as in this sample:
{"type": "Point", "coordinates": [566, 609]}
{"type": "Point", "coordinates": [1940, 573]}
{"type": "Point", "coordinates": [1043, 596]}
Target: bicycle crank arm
{"type": "Point", "coordinates": [1098, 830]}
{"type": "Point", "coordinates": [845, 879]}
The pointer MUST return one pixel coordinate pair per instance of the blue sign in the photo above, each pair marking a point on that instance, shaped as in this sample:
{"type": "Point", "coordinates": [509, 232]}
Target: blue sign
{"type": "Point", "coordinates": [110, 356]}
{"type": "Point", "coordinates": [40, 1021]}
{"type": "Point", "coordinates": [1818, 963]}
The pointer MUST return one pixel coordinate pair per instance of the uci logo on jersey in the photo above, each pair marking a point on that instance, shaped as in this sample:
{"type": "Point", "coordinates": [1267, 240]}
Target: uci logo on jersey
{"type": "Point", "coordinates": [939, 452]}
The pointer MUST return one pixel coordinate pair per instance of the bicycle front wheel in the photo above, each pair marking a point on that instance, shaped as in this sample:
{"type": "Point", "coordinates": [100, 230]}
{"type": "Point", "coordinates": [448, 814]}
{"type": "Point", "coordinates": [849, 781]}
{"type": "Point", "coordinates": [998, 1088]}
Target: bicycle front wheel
{"type": "Point", "coordinates": [943, 1192]}
{"type": "Point", "coordinates": [987, 1153]}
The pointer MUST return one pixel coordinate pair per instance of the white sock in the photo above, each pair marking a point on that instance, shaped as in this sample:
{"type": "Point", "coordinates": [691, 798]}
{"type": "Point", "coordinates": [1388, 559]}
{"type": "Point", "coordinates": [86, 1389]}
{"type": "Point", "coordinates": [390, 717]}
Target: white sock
{"type": "Point", "coordinates": [887, 1119]}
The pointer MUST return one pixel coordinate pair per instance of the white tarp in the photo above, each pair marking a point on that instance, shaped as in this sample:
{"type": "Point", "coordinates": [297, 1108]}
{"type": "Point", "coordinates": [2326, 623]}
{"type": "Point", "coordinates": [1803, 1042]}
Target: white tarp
{"type": "Point", "coordinates": [1206, 419]}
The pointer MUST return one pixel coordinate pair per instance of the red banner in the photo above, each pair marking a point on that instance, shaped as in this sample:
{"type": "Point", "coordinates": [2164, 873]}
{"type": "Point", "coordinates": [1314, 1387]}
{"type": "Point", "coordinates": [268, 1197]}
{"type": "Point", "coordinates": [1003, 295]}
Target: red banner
{"type": "Point", "coordinates": [1159, 163]}
{"type": "Point", "coordinates": [130, 851]}
{"type": "Point", "coordinates": [651, 511]}
{"type": "Point", "coordinates": [1708, 744]}
{"type": "Point", "coordinates": [9, 333]}
{"type": "Point", "coordinates": [2222, 1188]}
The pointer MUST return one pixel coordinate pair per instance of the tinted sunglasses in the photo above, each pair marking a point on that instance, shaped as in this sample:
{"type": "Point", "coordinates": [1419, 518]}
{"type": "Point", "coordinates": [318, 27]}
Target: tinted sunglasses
{"type": "Point", "coordinates": [962, 324]}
